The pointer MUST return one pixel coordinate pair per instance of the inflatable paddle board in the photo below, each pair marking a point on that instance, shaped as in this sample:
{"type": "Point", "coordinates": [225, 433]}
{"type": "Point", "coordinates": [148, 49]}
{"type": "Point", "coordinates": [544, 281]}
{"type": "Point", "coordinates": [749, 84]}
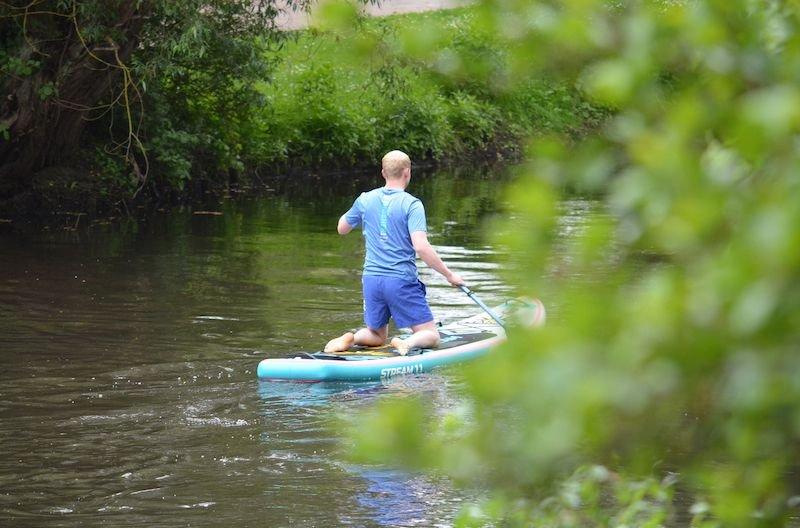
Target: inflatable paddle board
{"type": "Point", "coordinates": [460, 341]}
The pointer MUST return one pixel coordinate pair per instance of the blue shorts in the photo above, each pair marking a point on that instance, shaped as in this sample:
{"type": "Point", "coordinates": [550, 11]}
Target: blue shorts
{"type": "Point", "coordinates": [399, 299]}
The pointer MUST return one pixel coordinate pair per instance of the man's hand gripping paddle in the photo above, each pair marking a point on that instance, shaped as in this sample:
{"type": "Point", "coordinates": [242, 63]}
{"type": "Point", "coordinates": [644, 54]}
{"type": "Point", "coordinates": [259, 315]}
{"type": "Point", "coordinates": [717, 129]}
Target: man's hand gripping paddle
{"type": "Point", "coordinates": [480, 303]}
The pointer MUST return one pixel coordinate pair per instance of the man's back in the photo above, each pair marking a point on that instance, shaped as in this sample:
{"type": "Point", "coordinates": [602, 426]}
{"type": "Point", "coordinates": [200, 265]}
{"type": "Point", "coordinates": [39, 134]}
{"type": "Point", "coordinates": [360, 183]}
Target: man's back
{"type": "Point", "coordinates": [388, 217]}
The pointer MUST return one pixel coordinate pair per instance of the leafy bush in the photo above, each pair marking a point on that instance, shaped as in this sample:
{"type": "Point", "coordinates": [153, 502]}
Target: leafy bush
{"type": "Point", "coordinates": [418, 124]}
{"type": "Point", "coordinates": [675, 347]}
{"type": "Point", "coordinates": [200, 102]}
{"type": "Point", "coordinates": [171, 80]}
{"type": "Point", "coordinates": [328, 128]}
{"type": "Point", "coordinates": [474, 122]}
{"type": "Point", "coordinates": [328, 104]}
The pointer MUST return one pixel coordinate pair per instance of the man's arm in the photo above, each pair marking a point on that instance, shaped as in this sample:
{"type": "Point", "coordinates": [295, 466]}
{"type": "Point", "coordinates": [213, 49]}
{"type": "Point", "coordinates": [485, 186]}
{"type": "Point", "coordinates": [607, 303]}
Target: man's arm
{"type": "Point", "coordinates": [343, 227]}
{"type": "Point", "coordinates": [419, 239]}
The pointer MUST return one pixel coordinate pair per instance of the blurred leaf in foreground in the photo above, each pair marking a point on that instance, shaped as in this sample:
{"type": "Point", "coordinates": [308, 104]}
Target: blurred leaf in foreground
{"type": "Point", "coordinates": [683, 359]}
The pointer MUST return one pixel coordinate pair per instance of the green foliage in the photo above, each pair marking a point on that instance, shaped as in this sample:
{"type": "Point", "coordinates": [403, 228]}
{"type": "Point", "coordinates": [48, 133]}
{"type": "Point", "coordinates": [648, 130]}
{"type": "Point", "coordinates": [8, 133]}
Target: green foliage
{"type": "Point", "coordinates": [417, 122]}
{"type": "Point", "coordinates": [19, 66]}
{"type": "Point", "coordinates": [47, 90]}
{"type": "Point", "coordinates": [347, 92]}
{"type": "Point", "coordinates": [591, 497]}
{"type": "Point", "coordinates": [210, 91]}
{"type": "Point", "coordinates": [474, 121]}
{"type": "Point", "coordinates": [674, 348]}
{"type": "Point", "coordinates": [173, 152]}
{"type": "Point", "coordinates": [329, 127]}
{"type": "Point", "coordinates": [109, 177]}
{"type": "Point", "coordinates": [199, 77]}
{"type": "Point", "coordinates": [173, 81]}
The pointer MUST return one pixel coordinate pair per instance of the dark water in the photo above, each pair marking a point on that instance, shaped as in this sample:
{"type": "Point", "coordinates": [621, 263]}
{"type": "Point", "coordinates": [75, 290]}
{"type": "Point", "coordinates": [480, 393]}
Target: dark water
{"type": "Point", "coordinates": [128, 393]}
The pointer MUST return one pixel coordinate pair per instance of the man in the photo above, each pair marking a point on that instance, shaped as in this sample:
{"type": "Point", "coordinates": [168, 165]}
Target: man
{"type": "Point", "coordinates": [395, 230]}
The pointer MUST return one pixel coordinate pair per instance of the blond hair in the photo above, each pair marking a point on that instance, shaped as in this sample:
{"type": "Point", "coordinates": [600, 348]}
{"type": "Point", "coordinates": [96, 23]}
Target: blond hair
{"type": "Point", "coordinates": [393, 164]}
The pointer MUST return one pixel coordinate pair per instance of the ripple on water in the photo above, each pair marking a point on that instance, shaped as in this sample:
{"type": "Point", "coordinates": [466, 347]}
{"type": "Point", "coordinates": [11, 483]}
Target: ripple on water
{"type": "Point", "coordinates": [167, 322]}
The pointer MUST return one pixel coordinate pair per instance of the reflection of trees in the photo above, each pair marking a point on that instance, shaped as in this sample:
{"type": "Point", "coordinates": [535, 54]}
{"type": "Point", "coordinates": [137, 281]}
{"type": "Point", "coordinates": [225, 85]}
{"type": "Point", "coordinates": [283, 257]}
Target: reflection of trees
{"type": "Point", "coordinates": [457, 200]}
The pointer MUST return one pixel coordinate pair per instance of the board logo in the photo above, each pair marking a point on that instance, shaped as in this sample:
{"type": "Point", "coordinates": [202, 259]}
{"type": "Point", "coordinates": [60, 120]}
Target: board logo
{"type": "Point", "coordinates": [401, 371]}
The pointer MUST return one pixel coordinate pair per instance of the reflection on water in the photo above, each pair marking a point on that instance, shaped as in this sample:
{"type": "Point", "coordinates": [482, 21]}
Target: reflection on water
{"type": "Point", "coordinates": [128, 354]}
{"type": "Point", "coordinates": [396, 498]}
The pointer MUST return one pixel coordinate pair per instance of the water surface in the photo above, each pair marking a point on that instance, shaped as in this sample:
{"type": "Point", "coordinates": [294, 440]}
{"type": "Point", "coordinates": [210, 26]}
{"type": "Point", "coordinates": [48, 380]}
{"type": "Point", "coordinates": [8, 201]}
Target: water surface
{"type": "Point", "coordinates": [128, 392]}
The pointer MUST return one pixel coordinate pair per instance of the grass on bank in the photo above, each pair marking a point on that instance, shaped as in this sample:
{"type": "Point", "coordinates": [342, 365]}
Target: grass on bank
{"type": "Point", "coordinates": [328, 104]}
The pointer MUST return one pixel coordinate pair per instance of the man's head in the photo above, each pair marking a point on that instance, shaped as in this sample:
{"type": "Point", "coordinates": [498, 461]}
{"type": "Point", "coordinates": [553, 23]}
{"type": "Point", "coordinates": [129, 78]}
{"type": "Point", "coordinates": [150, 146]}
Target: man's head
{"type": "Point", "coordinates": [396, 166]}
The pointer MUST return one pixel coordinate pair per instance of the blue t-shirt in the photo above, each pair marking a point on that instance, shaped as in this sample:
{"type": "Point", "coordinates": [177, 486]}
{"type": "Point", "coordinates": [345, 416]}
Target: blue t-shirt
{"type": "Point", "coordinates": [387, 218]}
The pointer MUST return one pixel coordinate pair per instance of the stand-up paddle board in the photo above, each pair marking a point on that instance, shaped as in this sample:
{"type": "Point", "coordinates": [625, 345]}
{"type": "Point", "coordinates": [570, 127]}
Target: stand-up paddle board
{"type": "Point", "coordinates": [460, 341]}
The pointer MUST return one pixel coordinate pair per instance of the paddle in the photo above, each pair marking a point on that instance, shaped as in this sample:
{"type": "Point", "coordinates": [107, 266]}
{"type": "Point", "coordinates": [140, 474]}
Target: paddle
{"type": "Point", "coordinates": [480, 303]}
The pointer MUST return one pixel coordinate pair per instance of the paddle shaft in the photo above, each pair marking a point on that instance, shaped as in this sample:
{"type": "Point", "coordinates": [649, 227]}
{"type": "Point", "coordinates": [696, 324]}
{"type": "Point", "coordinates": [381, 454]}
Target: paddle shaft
{"type": "Point", "coordinates": [480, 303]}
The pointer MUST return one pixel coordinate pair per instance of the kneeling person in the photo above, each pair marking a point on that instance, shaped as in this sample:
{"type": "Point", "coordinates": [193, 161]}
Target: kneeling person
{"type": "Point", "coordinates": [394, 227]}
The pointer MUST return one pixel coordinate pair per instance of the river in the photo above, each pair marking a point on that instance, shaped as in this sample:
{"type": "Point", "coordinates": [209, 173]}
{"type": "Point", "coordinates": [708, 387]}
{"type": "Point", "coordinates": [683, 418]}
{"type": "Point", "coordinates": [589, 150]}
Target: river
{"type": "Point", "coordinates": [128, 351]}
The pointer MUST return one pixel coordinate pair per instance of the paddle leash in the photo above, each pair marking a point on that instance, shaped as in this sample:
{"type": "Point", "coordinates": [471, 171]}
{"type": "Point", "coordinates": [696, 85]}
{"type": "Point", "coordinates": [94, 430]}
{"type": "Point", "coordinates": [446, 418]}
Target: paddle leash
{"type": "Point", "coordinates": [480, 303]}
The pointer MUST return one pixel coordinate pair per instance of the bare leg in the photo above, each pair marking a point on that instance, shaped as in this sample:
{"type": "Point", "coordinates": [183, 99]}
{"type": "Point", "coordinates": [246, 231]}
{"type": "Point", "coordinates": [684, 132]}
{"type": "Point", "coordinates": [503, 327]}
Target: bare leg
{"type": "Point", "coordinates": [365, 337]}
{"type": "Point", "coordinates": [370, 337]}
{"type": "Point", "coordinates": [425, 336]}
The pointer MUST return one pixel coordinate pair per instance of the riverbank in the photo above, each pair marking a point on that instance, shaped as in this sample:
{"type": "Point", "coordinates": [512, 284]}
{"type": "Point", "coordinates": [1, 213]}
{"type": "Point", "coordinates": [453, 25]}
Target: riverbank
{"type": "Point", "coordinates": [333, 99]}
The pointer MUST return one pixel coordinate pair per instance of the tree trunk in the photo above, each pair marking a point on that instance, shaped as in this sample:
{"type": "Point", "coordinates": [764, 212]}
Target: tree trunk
{"type": "Point", "coordinates": [46, 131]}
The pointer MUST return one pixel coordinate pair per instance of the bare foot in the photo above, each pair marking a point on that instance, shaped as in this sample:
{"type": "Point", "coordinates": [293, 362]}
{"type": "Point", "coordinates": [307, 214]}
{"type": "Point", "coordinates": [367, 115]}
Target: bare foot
{"type": "Point", "coordinates": [340, 344]}
{"type": "Point", "coordinates": [401, 346]}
